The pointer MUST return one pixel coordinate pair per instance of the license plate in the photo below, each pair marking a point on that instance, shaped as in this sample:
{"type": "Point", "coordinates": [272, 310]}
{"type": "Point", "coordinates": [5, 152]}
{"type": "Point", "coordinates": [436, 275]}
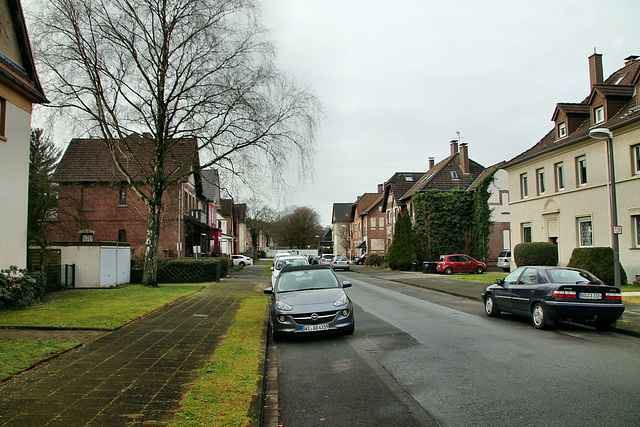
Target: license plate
{"type": "Point", "coordinates": [589, 295]}
{"type": "Point", "coordinates": [313, 328]}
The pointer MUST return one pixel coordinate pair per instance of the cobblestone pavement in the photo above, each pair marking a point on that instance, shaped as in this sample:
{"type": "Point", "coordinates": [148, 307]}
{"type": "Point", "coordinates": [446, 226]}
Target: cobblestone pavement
{"type": "Point", "coordinates": [132, 376]}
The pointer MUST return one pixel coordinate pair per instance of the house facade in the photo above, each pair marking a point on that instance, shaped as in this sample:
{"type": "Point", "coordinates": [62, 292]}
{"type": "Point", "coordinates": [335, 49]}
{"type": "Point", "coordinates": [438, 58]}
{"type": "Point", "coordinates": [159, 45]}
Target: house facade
{"type": "Point", "coordinates": [19, 89]}
{"type": "Point", "coordinates": [340, 233]}
{"type": "Point", "coordinates": [368, 229]}
{"type": "Point", "coordinates": [560, 186]}
{"type": "Point", "coordinates": [393, 203]}
{"type": "Point", "coordinates": [96, 204]}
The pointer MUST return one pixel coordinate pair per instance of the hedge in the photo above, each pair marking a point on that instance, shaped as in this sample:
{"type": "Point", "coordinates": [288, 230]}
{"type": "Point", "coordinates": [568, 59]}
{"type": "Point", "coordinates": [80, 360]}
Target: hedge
{"type": "Point", "coordinates": [598, 261]}
{"type": "Point", "coordinates": [535, 253]}
{"type": "Point", "coordinates": [19, 288]}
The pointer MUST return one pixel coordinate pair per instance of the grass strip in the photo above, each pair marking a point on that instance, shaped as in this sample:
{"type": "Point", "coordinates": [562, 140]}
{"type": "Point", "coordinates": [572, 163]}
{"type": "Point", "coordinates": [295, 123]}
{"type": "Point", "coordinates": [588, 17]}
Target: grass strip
{"type": "Point", "coordinates": [19, 355]}
{"type": "Point", "coordinates": [97, 308]}
{"type": "Point", "coordinates": [483, 278]}
{"type": "Point", "coordinates": [226, 386]}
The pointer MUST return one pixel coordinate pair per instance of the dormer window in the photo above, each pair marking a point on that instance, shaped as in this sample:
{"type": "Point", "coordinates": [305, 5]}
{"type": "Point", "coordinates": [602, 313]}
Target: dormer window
{"type": "Point", "coordinates": [562, 130]}
{"type": "Point", "coordinates": [598, 114]}
{"type": "Point", "coordinates": [408, 178]}
{"type": "Point", "coordinates": [454, 175]}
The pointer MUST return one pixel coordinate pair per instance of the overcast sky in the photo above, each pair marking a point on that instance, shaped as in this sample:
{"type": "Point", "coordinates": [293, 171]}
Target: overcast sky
{"type": "Point", "coordinates": [398, 79]}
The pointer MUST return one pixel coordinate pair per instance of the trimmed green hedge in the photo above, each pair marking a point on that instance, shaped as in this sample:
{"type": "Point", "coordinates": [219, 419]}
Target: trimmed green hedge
{"type": "Point", "coordinates": [187, 270]}
{"type": "Point", "coordinates": [536, 253]}
{"type": "Point", "coordinates": [598, 261]}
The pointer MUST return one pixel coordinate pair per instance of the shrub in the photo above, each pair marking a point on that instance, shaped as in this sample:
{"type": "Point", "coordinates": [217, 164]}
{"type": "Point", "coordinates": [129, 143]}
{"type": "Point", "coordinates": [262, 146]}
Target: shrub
{"type": "Point", "coordinates": [19, 288]}
{"type": "Point", "coordinates": [402, 250]}
{"type": "Point", "coordinates": [536, 253]}
{"type": "Point", "coordinates": [373, 260]}
{"type": "Point", "coordinates": [598, 261]}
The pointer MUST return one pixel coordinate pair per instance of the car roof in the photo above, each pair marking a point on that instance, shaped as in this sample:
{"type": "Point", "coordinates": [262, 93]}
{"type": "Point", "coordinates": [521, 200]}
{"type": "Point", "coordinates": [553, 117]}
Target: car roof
{"type": "Point", "coordinates": [305, 267]}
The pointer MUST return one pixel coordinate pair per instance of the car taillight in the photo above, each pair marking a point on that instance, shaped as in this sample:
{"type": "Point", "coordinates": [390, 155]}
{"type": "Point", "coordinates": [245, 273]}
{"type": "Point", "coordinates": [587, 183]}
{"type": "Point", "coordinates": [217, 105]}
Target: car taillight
{"type": "Point", "coordinates": [564, 294]}
{"type": "Point", "coordinates": [613, 295]}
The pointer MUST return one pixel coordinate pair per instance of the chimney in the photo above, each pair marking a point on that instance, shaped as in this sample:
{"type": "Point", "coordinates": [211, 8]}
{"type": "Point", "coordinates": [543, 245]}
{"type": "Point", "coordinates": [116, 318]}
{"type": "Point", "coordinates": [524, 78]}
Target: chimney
{"type": "Point", "coordinates": [595, 69]}
{"type": "Point", "coordinates": [464, 158]}
{"type": "Point", "coordinates": [432, 162]}
{"type": "Point", "coordinates": [630, 59]}
{"type": "Point", "coordinates": [380, 188]}
{"type": "Point", "coordinates": [454, 147]}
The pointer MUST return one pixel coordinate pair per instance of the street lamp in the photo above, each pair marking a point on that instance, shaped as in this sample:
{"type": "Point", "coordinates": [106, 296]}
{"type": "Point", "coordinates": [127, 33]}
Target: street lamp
{"type": "Point", "coordinates": [604, 133]}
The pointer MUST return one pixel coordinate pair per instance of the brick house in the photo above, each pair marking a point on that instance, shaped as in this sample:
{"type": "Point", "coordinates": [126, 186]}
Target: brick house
{"type": "Point", "coordinates": [392, 202]}
{"type": "Point", "coordinates": [368, 224]}
{"type": "Point", "coordinates": [561, 184]}
{"type": "Point", "coordinates": [19, 89]}
{"type": "Point", "coordinates": [96, 204]}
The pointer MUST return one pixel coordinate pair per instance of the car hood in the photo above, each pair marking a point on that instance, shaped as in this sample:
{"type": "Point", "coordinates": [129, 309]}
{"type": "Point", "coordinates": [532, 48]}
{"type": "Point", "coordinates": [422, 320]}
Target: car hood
{"type": "Point", "coordinates": [311, 300]}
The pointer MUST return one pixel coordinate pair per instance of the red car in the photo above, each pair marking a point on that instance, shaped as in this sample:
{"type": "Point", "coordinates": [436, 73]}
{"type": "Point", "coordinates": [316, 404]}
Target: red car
{"type": "Point", "coordinates": [459, 263]}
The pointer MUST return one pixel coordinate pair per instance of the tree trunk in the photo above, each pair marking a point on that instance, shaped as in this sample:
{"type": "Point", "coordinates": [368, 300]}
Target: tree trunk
{"type": "Point", "coordinates": [150, 274]}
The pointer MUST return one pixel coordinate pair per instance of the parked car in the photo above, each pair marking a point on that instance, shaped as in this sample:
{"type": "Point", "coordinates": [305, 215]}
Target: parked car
{"type": "Point", "coordinates": [504, 260]}
{"type": "Point", "coordinates": [327, 259]}
{"type": "Point", "coordinates": [309, 299]}
{"type": "Point", "coordinates": [551, 294]}
{"type": "Point", "coordinates": [341, 263]}
{"type": "Point", "coordinates": [459, 263]}
{"type": "Point", "coordinates": [241, 260]}
{"type": "Point", "coordinates": [283, 261]}
{"type": "Point", "coordinates": [313, 259]}
{"type": "Point", "coordinates": [361, 259]}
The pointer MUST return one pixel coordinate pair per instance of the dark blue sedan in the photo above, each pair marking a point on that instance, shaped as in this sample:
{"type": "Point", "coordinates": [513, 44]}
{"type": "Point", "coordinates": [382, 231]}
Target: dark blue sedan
{"type": "Point", "coordinates": [551, 294]}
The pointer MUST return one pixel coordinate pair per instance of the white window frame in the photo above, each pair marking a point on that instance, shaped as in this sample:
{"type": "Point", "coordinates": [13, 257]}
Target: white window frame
{"type": "Point", "coordinates": [562, 130]}
{"type": "Point", "coordinates": [526, 226]}
{"type": "Point", "coordinates": [540, 181]}
{"type": "Point", "coordinates": [598, 114]}
{"type": "Point", "coordinates": [454, 175]}
{"type": "Point", "coordinates": [585, 232]}
{"type": "Point", "coordinates": [635, 220]}
{"type": "Point", "coordinates": [524, 186]}
{"type": "Point", "coordinates": [581, 165]}
{"type": "Point", "coordinates": [559, 176]}
{"type": "Point", "coordinates": [635, 156]}
{"type": "Point", "coordinates": [86, 237]}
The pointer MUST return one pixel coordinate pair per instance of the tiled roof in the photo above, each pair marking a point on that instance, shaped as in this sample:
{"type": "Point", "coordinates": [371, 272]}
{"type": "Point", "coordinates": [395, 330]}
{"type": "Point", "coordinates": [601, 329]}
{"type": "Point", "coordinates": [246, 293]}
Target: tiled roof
{"type": "Point", "coordinates": [341, 212]}
{"type": "Point", "coordinates": [373, 204]}
{"type": "Point", "coordinates": [240, 210]}
{"type": "Point", "coordinates": [25, 77]}
{"type": "Point", "coordinates": [226, 207]}
{"type": "Point", "coordinates": [439, 177]}
{"type": "Point", "coordinates": [89, 160]}
{"type": "Point", "coordinates": [616, 85]}
{"type": "Point", "coordinates": [211, 185]}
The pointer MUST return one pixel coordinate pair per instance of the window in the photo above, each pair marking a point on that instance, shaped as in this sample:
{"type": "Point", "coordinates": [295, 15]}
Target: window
{"type": "Point", "coordinates": [524, 187]}
{"type": "Point", "coordinates": [540, 181]}
{"type": "Point", "coordinates": [559, 176]}
{"type": "Point", "coordinates": [585, 233]}
{"type": "Point", "coordinates": [598, 114]}
{"type": "Point", "coordinates": [454, 175]}
{"type": "Point", "coordinates": [122, 196]}
{"type": "Point", "coordinates": [122, 235]}
{"type": "Point", "coordinates": [526, 232]}
{"type": "Point", "coordinates": [86, 237]}
{"type": "Point", "coordinates": [636, 224]}
{"type": "Point", "coordinates": [562, 130]}
{"type": "Point", "coordinates": [635, 156]}
{"type": "Point", "coordinates": [408, 178]}
{"type": "Point", "coordinates": [3, 118]}
{"type": "Point", "coordinates": [581, 170]}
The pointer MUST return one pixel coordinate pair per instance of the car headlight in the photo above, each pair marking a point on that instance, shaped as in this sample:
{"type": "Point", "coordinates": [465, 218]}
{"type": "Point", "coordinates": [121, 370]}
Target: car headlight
{"type": "Point", "coordinates": [343, 300]}
{"type": "Point", "coordinates": [283, 306]}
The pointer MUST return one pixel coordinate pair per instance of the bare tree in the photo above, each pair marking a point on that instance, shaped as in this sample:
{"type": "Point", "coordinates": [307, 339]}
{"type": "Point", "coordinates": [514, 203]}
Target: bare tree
{"type": "Point", "coordinates": [299, 228]}
{"type": "Point", "coordinates": [173, 70]}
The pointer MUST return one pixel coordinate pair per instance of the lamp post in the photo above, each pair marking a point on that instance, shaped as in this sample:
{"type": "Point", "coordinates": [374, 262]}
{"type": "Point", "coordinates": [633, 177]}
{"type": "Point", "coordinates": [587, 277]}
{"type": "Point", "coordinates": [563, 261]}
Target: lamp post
{"type": "Point", "coordinates": [604, 133]}
{"type": "Point", "coordinates": [318, 239]}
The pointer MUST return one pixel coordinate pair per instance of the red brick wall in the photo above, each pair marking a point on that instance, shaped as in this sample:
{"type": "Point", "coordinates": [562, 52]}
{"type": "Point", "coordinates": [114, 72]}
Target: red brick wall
{"type": "Point", "coordinates": [495, 245]}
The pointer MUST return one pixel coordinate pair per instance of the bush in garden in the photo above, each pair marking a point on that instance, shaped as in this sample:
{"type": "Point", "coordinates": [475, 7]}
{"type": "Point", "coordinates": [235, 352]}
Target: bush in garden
{"type": "Point", "coordinates": [373, 260]}
{"type": "Point", "coordinates": [598, 261]}
{"type": "Point", "coordinates": [536, 253]}
{"type": "Point", "coordinates": [19, 288]}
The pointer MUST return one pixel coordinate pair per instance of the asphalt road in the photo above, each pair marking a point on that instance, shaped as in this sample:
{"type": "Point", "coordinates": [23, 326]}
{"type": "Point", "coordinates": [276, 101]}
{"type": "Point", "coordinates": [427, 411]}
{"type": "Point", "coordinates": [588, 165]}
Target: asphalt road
{"type": "Point", "coordinates": [420, 357]}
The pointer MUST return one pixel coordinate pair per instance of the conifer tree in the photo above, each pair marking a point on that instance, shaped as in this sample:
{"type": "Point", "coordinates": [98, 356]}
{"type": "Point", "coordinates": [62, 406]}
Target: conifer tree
{"type": "Point", "coordinates": [402, 251]}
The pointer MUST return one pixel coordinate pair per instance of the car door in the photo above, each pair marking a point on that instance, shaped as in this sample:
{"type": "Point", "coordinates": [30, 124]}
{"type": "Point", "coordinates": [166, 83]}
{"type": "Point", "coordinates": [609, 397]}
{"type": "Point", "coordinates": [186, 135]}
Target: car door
{"type": "Point", "coordinates": [503, 293]}
{"type": "Point", "coordinates": [525, 290]}
{"type": "Point", "coordinates": [466, 264]}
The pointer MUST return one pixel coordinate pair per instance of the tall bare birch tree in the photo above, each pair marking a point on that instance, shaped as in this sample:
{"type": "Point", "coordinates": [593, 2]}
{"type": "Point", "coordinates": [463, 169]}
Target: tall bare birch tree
{"type": "Point", "coordinates": [174, 69]}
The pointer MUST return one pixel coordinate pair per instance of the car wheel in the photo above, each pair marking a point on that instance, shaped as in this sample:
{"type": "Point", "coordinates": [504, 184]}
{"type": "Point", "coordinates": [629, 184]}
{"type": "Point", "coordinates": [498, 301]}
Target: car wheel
{"type": "Point", "coordinates": [277, 336]}
{"type": "Point", "coordinates": [351, 329]}
{"type": "Point", "coordinates": [490, 306]}
{"type": "Point", "coordinates": [448, 270]}
{"type": "Point", "coordinates": [539, 316]}
{"type": "Point", "coordinates": [605, 326]}
{"type": "Point", "coordinates": [242, 264]}
{"type": "Point", "coordinates": [479, 270]}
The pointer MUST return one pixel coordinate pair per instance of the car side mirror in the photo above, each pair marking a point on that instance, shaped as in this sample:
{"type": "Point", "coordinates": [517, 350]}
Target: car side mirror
{"type": "Point", "coordinates": [346, 284]}
{"type": "Point", "coordinates": [499, 282]}
{"type": "Point", "coordinates": [271, 268]}
{"type": "Point", "coordinates": [268, 290]}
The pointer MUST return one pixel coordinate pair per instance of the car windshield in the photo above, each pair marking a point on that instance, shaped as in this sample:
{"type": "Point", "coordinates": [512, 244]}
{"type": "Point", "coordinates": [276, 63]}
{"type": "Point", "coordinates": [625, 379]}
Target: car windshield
{"type": "Point", "coordinates": [341, 258]}
{"type": "Point", "coordinates": [292, 261]}
{"type": "Point", "coordinates": [307, 279]}
{"type": "Point", "coordinates": [561, 275]}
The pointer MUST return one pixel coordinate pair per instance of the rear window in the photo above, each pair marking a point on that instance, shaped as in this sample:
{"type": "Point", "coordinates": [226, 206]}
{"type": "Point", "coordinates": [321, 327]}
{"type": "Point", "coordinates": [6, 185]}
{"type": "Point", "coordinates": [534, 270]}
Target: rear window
{"type": "Point", "coordinates": [505, 254]}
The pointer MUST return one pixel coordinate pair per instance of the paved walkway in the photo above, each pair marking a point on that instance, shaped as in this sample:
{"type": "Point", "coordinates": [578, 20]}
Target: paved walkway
{"type": "Point", "coordinates": [629, 323]}
{"type": "Point", "coordinates": [133, 376]}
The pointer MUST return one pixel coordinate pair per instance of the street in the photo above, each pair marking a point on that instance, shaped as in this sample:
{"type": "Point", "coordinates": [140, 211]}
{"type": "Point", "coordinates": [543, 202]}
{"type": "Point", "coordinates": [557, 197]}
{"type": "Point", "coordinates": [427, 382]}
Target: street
{"type": "Point", "coordinates": [419, 357]}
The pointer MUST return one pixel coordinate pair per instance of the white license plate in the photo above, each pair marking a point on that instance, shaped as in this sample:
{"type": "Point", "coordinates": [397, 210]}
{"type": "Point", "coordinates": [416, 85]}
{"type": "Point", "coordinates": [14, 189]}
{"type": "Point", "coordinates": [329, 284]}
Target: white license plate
{"type": "Point", "coordinates": [313, 328]}
{"type": "Point", "coordinates": [589, 295]}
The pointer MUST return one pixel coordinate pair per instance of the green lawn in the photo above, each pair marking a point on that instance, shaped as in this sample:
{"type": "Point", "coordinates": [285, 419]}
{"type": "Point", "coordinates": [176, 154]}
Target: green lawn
{"type": "Point", "coordinates": [20, 355]}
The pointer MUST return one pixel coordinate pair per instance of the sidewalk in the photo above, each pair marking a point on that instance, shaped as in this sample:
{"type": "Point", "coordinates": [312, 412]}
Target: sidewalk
{"type": "Point", "coordinates": [628, 324]}
{"type": "Point", "coordinates": [132, 376]}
